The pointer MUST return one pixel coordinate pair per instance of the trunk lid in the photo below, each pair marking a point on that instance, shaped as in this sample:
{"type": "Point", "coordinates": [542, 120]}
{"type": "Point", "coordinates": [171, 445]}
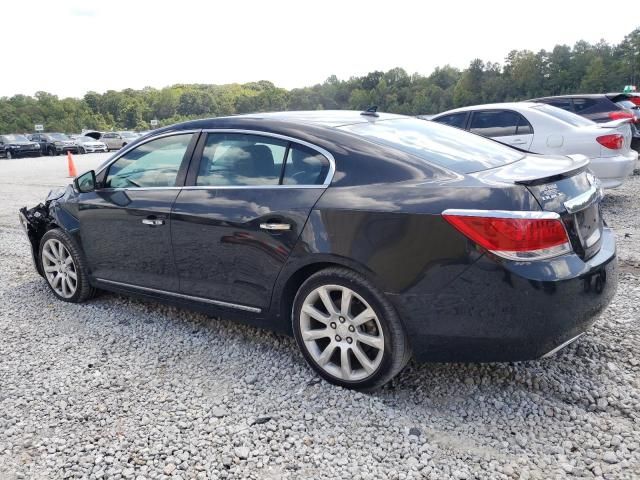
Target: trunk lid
{"type": "Point", "coordinates": [562, 185]}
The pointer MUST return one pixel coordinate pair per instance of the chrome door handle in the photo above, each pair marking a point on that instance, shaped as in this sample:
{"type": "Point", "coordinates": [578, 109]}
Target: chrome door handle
{"type": "Point", "coordinates": [518, 142]}
{"type": "Point", "coordinates": [275, 226]}
{"type": "Point", "coordinates": [152, 221]}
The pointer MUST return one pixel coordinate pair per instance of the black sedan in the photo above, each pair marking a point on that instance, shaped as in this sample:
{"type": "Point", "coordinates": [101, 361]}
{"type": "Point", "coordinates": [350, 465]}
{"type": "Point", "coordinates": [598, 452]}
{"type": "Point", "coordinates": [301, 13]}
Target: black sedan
{"type": "Point", "coordinates": [371, 237]}
{"type": "Point", "coordinates": [16, 146]}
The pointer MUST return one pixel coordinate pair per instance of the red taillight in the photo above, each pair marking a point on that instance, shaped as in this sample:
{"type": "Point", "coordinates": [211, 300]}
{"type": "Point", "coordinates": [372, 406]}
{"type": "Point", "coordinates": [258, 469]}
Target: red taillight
{"type": "Point", "coordinates": [514, 235]}
{"type": "Point", "coordinates": [635, 100]}
{"type": "Point", "coordinates": [620, 114]}
{"type": "Point", "coordinates": [613, 141]}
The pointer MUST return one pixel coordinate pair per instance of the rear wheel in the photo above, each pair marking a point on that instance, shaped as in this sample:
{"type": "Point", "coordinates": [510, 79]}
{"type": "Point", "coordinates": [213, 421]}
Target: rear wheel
{"type": "Point", "coordinates": [64, 267]}
{"type": "Point", "coordinates": [9, 154]}
{"type": "Point", "coordinates": [348, 331]}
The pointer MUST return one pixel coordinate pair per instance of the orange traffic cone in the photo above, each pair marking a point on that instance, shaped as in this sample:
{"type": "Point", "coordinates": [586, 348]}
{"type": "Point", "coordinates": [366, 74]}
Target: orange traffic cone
{"type": "Point", "coordinates": [70, 166]}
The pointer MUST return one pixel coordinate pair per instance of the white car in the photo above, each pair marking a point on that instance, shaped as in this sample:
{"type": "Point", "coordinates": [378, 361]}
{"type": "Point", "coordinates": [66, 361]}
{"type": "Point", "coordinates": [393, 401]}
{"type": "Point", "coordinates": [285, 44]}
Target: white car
{"type": "Point", "coordinates": [540, 128]}
{"type": "Point", "coordinates": [89, 145]}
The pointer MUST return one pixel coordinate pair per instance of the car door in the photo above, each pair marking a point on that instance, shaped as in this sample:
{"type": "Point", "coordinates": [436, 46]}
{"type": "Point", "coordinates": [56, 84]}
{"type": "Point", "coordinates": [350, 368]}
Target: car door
{"type": "Point", "coordinates": [505, 126]}
{"type": "Point", "coordinates": [125, 222]}
{"type": "Point", "coordinates": [241, 213]}
{"type": "Point", "coordinates": [108, 138]}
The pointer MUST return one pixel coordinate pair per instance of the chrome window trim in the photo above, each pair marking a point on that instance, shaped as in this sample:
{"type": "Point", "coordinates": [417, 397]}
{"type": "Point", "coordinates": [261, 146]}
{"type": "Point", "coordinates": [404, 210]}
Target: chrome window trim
{"type": "Point", "coordinates": [322, 151]}
{"type": "Point", "coordinates": [219, 303]}
{"type": "Point", "coordinates": [120, 153]}
{"type": "Point", "coordinates": [537, 215]}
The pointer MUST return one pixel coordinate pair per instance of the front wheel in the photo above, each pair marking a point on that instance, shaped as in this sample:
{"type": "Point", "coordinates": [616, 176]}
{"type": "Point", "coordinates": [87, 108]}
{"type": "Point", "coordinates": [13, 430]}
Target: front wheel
{"type": "Point", "coordinates": [64, 267]}
{"type": "Point", "coordinates": [51, 151]}
{"type": "Point", "coordinates": [348, 331]}
{"type": "Point", "coordinates": [9, 154]}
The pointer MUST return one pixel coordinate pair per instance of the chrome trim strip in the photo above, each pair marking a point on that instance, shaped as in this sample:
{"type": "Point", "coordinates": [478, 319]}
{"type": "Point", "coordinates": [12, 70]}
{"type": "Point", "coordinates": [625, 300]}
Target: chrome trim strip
{"type": "Point", "coordinates": [538, 215]}
{"type": "Point", "coordinates": [325, 153]}
{"type": "Point", "coordinates": [583, 200]}
{"type": "Point", "coordinates": [328, 155]}
{"type": "Point", "coordinates": [561, 346]}
{"type": "Point", "coordinates": [130, 147]}
{"type": "Point", "coordinates": [182, 295]}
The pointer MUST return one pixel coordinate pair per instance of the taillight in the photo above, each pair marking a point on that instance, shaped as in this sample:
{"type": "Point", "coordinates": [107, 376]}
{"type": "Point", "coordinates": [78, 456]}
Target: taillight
{"type": "Point", "coordinates": [512, 234]}
{"type": "Point", "coordinates": [620, 114]}
{"type": "Point", "coordinates": [613, 141]}
{"type": "Point", "coordinates": [635, 100]}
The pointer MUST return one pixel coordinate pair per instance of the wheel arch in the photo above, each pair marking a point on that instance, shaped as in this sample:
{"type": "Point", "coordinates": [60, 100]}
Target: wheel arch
{"type": "Point", "coordinates": [293, 276]}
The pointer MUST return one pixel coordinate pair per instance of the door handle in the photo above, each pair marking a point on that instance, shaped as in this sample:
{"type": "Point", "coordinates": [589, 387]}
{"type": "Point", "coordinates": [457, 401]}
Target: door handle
{"type": "Point", "coordinates": [152, 221]}
{"type": "Point", "coordinates": [275, 226]}
{"type": "Point", "coordinates": [518, 142]}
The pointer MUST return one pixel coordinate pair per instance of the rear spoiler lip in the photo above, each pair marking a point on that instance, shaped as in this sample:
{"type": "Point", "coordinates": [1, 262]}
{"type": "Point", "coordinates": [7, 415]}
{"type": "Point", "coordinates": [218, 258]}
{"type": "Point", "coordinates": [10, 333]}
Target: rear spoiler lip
{"type": "Point", "coordinates": [581, 163]}
{"type": "Point", "coordinates": [615, 123]}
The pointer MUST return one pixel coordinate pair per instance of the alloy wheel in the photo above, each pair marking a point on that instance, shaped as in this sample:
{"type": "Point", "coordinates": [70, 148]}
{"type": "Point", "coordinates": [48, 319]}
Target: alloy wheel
{"type": "Point", "coordinates": [341, 332]}
{"type": "Point", "coordinates": [59, 268]}
{"type": "Point", "coordinates": [9, 155]}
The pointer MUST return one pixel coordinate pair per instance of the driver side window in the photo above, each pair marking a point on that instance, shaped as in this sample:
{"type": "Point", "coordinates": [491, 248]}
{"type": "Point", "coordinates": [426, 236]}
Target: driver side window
{"type": "Point", "coordinates": [152, 164]}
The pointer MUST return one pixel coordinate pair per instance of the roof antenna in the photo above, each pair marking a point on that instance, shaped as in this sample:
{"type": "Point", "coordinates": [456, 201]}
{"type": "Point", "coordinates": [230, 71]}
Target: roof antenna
{"type": "Point", "coordinates": [372, 111]}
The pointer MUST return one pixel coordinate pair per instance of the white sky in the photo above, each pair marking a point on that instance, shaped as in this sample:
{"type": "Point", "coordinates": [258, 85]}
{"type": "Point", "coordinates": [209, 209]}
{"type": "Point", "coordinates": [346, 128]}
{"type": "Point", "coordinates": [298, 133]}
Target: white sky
{"type": "Point", "coordinates": [68, 47]}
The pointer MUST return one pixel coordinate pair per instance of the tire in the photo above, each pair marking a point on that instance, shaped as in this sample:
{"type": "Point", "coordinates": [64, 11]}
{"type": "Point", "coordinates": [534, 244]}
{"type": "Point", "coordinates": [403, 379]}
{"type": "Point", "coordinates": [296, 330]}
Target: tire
{"type": "Point", "coordinates": [81, 151]}
{"type": "Point", "coordinates": [333, 345]}
{"type": "Point", "coordinates": [51, 151]}
{"type": "Point", "coordinates": [59, 271]}
{"type": "Point", "coordinates": [9, 155]}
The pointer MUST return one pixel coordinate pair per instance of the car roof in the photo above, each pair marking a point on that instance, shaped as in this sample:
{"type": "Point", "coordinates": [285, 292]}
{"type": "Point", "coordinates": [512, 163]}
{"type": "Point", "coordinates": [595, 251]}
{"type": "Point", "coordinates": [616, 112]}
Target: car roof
{"type": "Point", "coordinates": [492, 106]}
{"type": "Point", "coordinates": [586, 95]}
{"type": "Point", "coordinates": [321, 118]}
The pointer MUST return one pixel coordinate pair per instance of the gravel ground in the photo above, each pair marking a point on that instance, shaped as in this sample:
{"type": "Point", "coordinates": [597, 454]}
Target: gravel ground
{"type": "Point", "coordinates": [120, 388]}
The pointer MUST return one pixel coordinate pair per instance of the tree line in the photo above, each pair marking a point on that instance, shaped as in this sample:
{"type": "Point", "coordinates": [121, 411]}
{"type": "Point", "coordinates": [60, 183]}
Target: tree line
{"type": "Point", "coordinates": [583, 68]}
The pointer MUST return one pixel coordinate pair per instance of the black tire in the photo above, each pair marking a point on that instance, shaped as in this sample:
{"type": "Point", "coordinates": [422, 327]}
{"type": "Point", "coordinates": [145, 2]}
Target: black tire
{"type": "Point", "coordinates": [51, 151]}
{"type": "Point", "coordinates": [9, 155]}
{"type": "Point", "coordinates": [84, 291]}
{"type": "Point", "coordinates": [397, 351]}
{"type": "Point", "coordinates": [81, 151]}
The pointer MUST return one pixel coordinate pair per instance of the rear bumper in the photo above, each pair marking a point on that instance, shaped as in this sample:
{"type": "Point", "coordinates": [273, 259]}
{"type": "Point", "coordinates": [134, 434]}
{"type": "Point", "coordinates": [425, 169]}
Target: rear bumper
{"type": "Point", "coordinates": [510, 311]}
{"type": "Point", "coordinates": [612, 171]}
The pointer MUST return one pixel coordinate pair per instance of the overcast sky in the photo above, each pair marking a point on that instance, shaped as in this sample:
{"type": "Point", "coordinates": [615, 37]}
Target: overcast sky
{"type": "Point", "coordinates": [68, 47]}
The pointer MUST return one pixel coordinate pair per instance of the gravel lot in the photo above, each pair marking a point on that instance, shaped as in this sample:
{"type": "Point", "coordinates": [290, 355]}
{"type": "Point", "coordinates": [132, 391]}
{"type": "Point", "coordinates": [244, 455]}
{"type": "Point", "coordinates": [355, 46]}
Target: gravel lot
{"type": "Point", "coordinates": [120, 388]}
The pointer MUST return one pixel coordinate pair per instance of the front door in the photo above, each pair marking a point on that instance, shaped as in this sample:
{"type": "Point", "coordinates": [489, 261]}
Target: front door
{"type": "Point", "coordinates": [125, 223]}
{"type": "Point", "coordinates": [234, 227]}
{"type": "Point", "coordinates": [505, 126]}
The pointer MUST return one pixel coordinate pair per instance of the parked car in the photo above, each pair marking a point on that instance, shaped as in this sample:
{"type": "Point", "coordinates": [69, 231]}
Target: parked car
{"type": "Point", "coordinates": [16, 145]}
{"type": "Point", "coordinates": [600, 108]}
{"type": "Point", "coordinates": [371, 237]}
{"type": "Point", "coordinates": [117, 140]}
{"type": "Point", "coordinates": [54, 143]}
{"type": "Point", "coordinates": [544, 129]}
{"type": "Point", "coordinates": [89, 145]}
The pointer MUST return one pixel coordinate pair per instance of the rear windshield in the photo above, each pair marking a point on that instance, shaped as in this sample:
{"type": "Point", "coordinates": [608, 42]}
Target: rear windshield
{"type": "Point", "coordinates": [442, 145]}
{"type": "Point", "coordinates": [564, 116]}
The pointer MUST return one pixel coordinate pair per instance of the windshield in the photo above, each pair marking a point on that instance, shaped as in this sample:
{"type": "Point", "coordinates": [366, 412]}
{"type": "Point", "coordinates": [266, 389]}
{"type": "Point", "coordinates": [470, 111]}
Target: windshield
{"type": "Point", "coordinates": [59, 136]}
{"type": "Point", "coordinates": [16, 138]}
{"type": "Point", "coordinates": [564, 116]}
{"type": "Point", "coordinates": [442, 145]}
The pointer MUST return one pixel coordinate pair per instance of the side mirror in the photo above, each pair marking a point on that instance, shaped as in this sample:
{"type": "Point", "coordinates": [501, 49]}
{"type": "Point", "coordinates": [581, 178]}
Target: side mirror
{"type": "Point", "coordinates": [86, 182]}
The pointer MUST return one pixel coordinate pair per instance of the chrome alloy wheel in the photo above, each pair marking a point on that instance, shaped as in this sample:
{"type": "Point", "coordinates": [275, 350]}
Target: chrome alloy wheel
{"type": "Point", "coordinates": [59, 268]}
{"type": "Point", "coordinates": [341, 332]}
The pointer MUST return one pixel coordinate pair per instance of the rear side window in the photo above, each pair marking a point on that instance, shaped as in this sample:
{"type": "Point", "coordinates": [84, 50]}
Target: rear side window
{"type": "Point", "coordinates": [494, 123]}
{"type": "Point", "coordinates": [241, 159]}
{"type": "Point", "coordinates": [304, 166]}
{"type": "Point", "coordinates": [454, 149]}
{"type": "Point", "coordinates": [457, 120]}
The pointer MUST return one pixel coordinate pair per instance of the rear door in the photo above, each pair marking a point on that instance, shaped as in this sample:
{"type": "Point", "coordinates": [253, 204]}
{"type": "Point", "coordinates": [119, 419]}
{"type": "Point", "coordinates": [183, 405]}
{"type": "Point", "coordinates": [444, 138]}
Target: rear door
{"type": "Point", "coordinates": [241, 213]}
{"type": "Point", "coordinates": [506, 126]}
